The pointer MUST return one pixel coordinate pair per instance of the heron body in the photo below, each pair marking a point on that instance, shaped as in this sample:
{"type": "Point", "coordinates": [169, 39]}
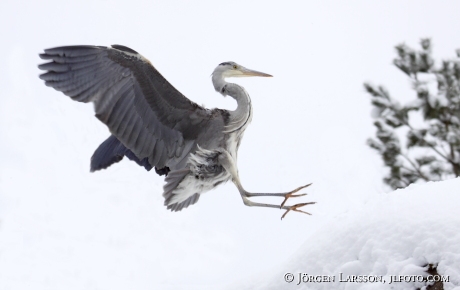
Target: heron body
{"type": "Point", "coordinates": [154, 125]}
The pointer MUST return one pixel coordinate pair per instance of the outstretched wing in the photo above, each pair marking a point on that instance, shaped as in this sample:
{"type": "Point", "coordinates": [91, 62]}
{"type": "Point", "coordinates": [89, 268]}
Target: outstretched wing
{"type": "Point", "coordinates": [140, 107]}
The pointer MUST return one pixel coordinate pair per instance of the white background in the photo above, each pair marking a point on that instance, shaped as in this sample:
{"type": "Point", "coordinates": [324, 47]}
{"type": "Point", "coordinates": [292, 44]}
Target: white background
{"type": "Point", "coordinates": [62, 227]}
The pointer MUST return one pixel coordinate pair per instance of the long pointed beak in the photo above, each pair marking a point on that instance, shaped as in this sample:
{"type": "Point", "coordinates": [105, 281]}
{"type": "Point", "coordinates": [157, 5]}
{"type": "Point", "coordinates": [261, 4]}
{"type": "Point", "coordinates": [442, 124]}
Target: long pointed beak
{"type": "Point", "coordinates": [253, 73]}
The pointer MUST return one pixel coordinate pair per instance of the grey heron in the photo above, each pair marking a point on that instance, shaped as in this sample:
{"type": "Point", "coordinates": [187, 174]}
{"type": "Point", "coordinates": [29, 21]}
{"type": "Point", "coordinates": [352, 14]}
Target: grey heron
{"type": "Point", "coordinates": [156, 126]}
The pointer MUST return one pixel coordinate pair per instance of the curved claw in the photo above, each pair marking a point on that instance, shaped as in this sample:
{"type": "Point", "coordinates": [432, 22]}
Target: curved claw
{"type": "Point", "coordinates": [291, 194]}
{"type": "Point", "coordinates": [295, 208]}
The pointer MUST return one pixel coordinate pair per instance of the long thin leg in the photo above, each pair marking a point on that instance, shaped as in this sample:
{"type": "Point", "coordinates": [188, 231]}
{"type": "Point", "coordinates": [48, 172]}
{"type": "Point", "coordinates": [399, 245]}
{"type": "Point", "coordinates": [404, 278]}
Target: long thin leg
{"type": "Point", "coordinates": [252, 194]}
{"type": "Point", "coordinates": [288, 208]}
{"type": "Point", "coordinates": [228, 163]}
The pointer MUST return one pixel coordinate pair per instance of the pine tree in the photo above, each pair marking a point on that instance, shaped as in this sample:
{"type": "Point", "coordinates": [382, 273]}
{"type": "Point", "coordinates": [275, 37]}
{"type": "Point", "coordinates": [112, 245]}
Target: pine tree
{"type": "Point", "coordinates": [431, 148]}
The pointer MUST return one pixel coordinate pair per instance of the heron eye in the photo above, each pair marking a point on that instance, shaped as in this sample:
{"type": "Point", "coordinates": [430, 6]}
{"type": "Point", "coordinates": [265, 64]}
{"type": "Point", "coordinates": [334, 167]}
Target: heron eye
{"type": "Point", "coordinates": [234, 66]}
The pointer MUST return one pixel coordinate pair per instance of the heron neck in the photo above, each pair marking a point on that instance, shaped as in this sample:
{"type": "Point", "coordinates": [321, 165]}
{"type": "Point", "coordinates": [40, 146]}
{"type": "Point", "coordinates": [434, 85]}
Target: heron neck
{"type": "Point", "coordinates": [240, 117]}
{"type": "Point", "coordinates": [243, 113]}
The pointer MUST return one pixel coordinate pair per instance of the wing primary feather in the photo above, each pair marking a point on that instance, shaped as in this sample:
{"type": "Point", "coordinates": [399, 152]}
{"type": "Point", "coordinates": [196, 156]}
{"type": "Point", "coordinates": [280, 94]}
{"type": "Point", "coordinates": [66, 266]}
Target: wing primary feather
{"type": "Point", "coordinates": [128, 125]}
{"type": "Point", "coordinates": [91, 93]}
{"type": "Point", "coordinates": [105, 106]}
{"type": "Point", "coordinates": [81, 89]}
{"type": "Point", "coordinates": [73, 51]}
{"type": "Point", "coordinates": [162, 153]}
{"type": "Point", "coordinates": [143, 143]}
{"type": "Point", "coordinates": [66, 59]}
{"type": "Point", "coordinates": [69, 66]}
{"type": "Point", "coordinates": [156, 153]}
{"type": "Point", "coordinates": [116, 118]}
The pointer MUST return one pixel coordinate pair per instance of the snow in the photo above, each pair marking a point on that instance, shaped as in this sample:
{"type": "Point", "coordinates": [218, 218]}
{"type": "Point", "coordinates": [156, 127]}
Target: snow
{"type": "Point", "coordinates": [393, 234]}
{"type": "Point", "coordinates": [62, 227]}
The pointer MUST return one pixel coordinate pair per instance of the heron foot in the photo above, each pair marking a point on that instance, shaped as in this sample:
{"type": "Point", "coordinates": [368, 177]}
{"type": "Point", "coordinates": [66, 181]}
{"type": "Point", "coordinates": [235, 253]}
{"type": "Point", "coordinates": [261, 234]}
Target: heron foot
{"type": "Point", "coordinates": [291, 194]}
{"type": "Point", "coordinates": [296, 208]}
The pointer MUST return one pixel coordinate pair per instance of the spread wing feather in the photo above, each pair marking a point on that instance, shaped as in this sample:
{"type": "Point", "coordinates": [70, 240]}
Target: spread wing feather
{"type": "Point", "coordinates": [139, 106]}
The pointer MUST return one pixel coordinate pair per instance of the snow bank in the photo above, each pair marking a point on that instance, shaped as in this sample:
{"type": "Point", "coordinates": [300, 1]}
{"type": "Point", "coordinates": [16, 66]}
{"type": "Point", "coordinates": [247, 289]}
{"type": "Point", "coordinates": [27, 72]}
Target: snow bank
{"type": "Point", "coordinates": [394, 234]}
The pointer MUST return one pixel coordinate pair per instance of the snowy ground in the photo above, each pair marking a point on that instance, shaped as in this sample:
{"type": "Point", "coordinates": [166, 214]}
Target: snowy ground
{"type": "Point", "coordinates": [62, 227]}
{"type": "Point", "coordinates": [392, 234]}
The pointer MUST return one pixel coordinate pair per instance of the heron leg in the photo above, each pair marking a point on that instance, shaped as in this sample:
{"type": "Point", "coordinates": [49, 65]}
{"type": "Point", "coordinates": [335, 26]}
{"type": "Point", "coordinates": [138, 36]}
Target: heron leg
{"type": "Point", "coordinates": [288, 208]}
{"type": "Point", "coordinates": [229, 164]}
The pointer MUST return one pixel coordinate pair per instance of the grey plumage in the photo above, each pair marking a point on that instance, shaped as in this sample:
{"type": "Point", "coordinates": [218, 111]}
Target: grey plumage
{"type": "Point", "coordinates": [152, 123]}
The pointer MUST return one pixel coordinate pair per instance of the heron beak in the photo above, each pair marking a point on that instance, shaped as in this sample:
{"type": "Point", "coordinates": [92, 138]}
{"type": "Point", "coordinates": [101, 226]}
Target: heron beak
{"type": "Point", "coordinates": [252, 73]}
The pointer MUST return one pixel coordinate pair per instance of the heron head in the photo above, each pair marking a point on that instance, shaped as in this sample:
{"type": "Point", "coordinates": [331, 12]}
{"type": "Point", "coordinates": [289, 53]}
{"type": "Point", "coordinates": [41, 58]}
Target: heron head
{"type": "Point", "coordinates": [231, 69]}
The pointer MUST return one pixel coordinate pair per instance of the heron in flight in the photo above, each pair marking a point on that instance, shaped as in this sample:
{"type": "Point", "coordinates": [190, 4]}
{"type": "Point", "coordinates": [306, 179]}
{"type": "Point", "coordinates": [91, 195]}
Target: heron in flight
{"type": "Point", "coordinates": [156, 126]}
